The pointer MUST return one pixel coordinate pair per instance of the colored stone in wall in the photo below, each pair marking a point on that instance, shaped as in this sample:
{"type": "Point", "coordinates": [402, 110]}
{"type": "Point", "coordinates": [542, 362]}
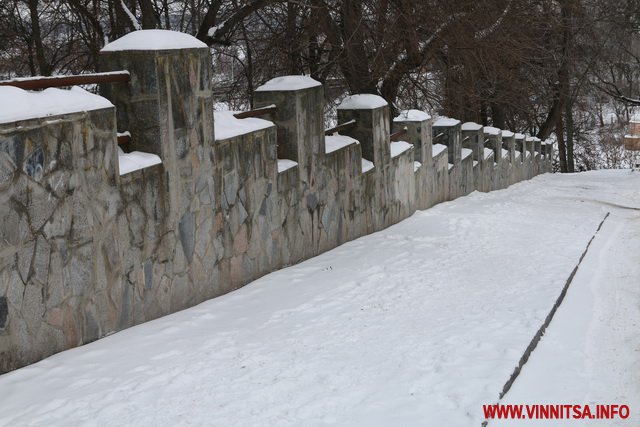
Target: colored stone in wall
{"type": "Point", "coordinates": [90, 252]}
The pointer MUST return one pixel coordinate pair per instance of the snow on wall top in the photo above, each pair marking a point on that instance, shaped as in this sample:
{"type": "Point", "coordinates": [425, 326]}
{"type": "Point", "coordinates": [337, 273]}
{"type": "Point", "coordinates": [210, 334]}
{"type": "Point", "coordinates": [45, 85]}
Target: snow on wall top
{"type": "Point", "coordinates": [399, 147]}
{"type": "Point", "coordinates": [437, 149]}
{"type": "Point", "coordinates": [286, 164]}
{"type": "Point", "coordinates": [362, 101]}
{"type": "Point", "coordinates": [533, 138]}
{"type": "Point", "coordinates": [519, 136]}
{"type": "Point", "coordinates": [336, 141]}
{"type": "Point", "coordinates": [288, 83]}
{"type": "Point", "coordinates": [412, 116]}
{"type": "Point", "coordinates": [136, 160]}
{"type": "Point", "coordinates": [471, 126]}
{"type": "Point", "coordinates": [466, 152]}
{"type": "Point", "coordinates": [154, 40]}
{"type": "Point", "coordinates": [445, 121]}
{"type": "Point", "coordinates": [226, 126]}
{"type": "Point", "coordinates": [367, 165]}
{"type": "Point", "coordinates": [489, 130]}
{"type": "Point", "coordinates": [507, 134]}
{"type": "Point", "coordinates": [18, 104]}
{"type": "Point", "coordinates": [488, 153]}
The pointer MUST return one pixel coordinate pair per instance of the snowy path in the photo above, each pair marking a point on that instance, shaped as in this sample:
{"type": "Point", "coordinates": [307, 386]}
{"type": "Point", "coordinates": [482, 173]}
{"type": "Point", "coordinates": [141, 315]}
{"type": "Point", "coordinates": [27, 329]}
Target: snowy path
{"type": "Point", "coordinates": [590, 353]}
{"type": "Point", "coordinates": [420, 324]}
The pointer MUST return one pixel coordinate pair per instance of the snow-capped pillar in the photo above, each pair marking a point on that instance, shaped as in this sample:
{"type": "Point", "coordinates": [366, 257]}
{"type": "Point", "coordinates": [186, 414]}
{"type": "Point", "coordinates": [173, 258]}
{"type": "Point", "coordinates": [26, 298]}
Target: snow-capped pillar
{"type": "Point", "coordinates": [371, 113]}
{"type": "Point", "coordinates": [299, 119]}
{"type": "Point", "coordinates": [509, 144]}
{"type": "Point", "coordinates": [447, 131]}
{"type": "Point", "coordinates": [549, 156]}
{"type": "Point", "coordinates": [546, 150]}
{"type": "Point", "coordinates": [418, 125]}
{"type": "Point", "coordinates": [520, 145]}
{"type": "Point", "coordinates": [167, 104]}
{"type": "Point", "coordinates": [537, 148]}
{"type": "Point", "coordinates": [544, 156]}
{"type": "Point", "coordinates": [473, 139]}
{"type": "Point", "coordinates": [493, 138]}
{"type": "Point", "coordinates": [530, 146]}
{"type": "Point", "coordinates": [493, 141]}
{"type": "Point", "coordinates": [529, 143]}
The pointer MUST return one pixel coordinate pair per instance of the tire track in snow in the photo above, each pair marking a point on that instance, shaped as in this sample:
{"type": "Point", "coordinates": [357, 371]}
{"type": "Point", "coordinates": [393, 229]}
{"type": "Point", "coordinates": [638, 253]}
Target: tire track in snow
{"type": "Point", "coordinates": [536, 338]}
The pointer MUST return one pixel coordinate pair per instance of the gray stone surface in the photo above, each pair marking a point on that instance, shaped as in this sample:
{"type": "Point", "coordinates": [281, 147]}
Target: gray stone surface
{"type": "Point", "coordinates": [4, 312]}
{"type": "Point", "coordinates": [419, 133]}
{"type": "Point", "coordinates": [88, 252]}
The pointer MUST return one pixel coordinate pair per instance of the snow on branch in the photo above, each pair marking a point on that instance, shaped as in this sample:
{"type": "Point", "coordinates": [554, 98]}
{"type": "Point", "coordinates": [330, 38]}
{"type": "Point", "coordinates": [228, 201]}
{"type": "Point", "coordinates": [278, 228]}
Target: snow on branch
{"type": "Point", "coordinates": [614, 91]}
{"type": "Point", "coordinates": [632, 101]}
{"type": "Point", "coordinates": [216, 33]}
{"type": "Point", "coordinates": [423, 46]}
{"type": "Point", "coordinates": [440, 29]}
{"type": "Point", "coordinates": [134, 21]}
{"type": "Point", "coordinates": [212, 31]}
{"type": "Point", "coordinates": [487, 31]}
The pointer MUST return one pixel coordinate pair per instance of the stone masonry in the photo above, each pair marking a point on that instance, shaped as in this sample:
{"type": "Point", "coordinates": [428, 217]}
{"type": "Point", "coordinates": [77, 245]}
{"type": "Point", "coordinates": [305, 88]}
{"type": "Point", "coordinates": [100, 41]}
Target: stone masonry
{"type": "Point", "coordinates": [85, 251]}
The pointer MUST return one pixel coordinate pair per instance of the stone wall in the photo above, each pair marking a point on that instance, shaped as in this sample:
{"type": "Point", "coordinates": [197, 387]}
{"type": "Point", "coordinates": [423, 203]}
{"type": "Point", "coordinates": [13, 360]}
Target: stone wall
{"type": "Point", "coordinates": [59, 211]}
{"type": "Point", "coordinates": [87, 252]}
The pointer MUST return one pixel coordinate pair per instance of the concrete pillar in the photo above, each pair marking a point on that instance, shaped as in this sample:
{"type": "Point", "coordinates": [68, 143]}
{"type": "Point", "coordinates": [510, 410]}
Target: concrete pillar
{"type": "Point", "coordinates": [530, 146]}
{"type": "Point", "coordinates": [371, 129]}
{"type": "Point", "coordinates": [167, 105]}
{"type": "Point", "coordinates": [168, 108]}
{"type": "Point", "coordinates": [493, 140]}
{"type": "Point", "coordinates": [446, 131]}
{"type": "Point", "coordinates": [549, 156]}
{"type": "Point", "coordinates": [418, 125]}
{"type": "Point", "coordinates": [537, 146]}
{"type": "Point", "coordinates": [419, 128]}
{"type": "Point", "coordinates": [299, 119]}
{"type": "Point", "coordinates": [371, 114]}
{"type": "Point", "coordinates": [473, 138]}
{"type": "Point", "coordinates": [520, 145]}
{"type": "Point", "coordinates": [509, 144]}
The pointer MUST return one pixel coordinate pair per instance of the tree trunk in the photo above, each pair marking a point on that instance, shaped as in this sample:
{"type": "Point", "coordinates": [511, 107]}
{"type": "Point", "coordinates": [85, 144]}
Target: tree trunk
{"type": "Point", "coordinates": [167, 18]}
{"type": "Point", "coordinates": [149, 17]}
{"type": "Point", "coordinates": [484, 115]}
{"type": "Point", "coordinates": [292, 45]}
{"type": "Point", "coordinates": [550, 122]}
{"type": "Point", "coordinates": [497, 116]}
{"type": "Point", "coordinates": [43, 66]}
{"type": "Point", "coordinates": [569, 125]}
{"type": "Point", "coordinates": [249, 67]}
{"type": "Point", "coordinates": [562, 149]}
{"type": "Point", "coordinates": [565, 84]}
{"type": "Point", "coordinates": [354, 62]}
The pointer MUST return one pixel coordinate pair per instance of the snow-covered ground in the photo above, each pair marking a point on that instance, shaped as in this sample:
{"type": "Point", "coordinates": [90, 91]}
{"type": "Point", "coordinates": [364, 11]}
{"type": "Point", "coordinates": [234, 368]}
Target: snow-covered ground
{"type": "Point", "coordinates": [590, 354]}
{"type": "Point", "coordinates": [418, 325]}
